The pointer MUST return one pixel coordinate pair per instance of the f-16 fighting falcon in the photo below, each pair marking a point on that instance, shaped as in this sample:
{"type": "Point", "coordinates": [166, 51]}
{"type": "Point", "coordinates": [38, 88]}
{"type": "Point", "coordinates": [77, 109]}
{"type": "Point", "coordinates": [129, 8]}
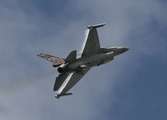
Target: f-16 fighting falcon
{"type": "Point", "coordinates": [73, 68]}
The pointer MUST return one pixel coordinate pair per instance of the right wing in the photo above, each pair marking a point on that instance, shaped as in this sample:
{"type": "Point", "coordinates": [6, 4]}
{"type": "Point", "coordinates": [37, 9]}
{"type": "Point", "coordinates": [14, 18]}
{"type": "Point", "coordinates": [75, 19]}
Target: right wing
{"type": "Point", "coordinates": [73, 79]}
{"type": "Point", "coordinates": [59, 81]}
{"type": "Point", "coordinates": [55, 60]}
{"type": "Point", "coordinates": [65, 82]}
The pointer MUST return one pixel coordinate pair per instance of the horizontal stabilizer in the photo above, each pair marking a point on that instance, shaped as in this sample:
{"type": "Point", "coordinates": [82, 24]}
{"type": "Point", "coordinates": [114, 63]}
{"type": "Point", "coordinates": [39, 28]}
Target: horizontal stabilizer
{"type": "Point", "coordinates": [96, 26]}
{"type": "Point", "coordinates": [60, 95]}
{"type": "Point", "coordinates": [71, 57]}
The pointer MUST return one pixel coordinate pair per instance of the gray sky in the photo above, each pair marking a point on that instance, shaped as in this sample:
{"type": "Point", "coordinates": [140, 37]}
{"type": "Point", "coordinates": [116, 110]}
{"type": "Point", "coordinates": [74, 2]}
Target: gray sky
{"type": "Point", "coordinates": [133, 86]}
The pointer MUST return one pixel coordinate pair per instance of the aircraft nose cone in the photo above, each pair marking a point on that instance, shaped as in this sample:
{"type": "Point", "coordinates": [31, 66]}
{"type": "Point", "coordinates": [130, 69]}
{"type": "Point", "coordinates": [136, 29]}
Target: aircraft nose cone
{"type": "Point", "coordinates": [125, 49]}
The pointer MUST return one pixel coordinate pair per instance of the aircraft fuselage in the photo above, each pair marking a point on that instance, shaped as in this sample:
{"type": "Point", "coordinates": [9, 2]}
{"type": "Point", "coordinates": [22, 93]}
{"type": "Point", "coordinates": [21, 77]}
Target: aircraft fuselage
{"type": "Point", "coordinates": [103, 56]}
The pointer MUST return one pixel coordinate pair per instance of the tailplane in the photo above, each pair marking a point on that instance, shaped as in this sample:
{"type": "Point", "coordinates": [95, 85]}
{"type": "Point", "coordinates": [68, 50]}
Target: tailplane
{"type": "Point", "coordinates": [71, 57]}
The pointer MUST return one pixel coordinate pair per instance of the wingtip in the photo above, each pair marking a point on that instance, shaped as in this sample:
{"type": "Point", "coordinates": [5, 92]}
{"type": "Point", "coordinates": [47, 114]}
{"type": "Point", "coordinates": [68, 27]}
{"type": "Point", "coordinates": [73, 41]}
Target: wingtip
{"type": "Point", "coordinates": [60, 95]}
{"type": "Point", "coordinates": [96, 25]}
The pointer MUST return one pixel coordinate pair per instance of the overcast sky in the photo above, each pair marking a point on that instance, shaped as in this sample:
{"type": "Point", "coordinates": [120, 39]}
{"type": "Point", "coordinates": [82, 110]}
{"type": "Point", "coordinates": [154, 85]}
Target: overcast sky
{"type": "Point", "coordinates": [131, 87]}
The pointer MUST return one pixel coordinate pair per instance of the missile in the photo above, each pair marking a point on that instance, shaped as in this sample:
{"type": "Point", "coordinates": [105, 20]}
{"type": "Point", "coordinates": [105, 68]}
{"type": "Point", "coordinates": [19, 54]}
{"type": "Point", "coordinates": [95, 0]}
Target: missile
{"type": "Point", "coordinates": [66, 94]}
{"type": "Point", "coordinates": [96, 26]}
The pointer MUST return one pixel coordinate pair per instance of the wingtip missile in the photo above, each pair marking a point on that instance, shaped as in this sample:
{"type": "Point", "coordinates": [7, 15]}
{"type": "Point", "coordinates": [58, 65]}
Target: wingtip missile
{"type": "Point", "coordinates": [96, 26]}
{"type": "Point", "coordinates": [60, 95]}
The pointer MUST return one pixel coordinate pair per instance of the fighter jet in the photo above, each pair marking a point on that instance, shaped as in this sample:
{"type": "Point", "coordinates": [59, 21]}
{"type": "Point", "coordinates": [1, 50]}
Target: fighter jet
{"type": "Point", "coordinates": [73, 68]}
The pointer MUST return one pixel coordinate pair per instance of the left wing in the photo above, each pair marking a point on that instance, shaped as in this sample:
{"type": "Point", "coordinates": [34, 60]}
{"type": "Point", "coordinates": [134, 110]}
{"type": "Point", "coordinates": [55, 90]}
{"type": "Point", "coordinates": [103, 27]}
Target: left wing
{"type": "Point", "coordinates": [92, 43]}
{"type": "Point", "coordinates": [70, 81]}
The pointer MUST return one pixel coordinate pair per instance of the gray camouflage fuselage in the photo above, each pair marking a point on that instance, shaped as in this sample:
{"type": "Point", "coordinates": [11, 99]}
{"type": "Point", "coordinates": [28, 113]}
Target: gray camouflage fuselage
{"type": "Point", "coordinates": [103, 56]}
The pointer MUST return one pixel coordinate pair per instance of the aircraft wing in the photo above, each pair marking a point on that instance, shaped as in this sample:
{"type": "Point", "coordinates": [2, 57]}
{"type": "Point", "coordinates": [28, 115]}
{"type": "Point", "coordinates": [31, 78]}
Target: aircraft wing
{"type": "Point", "coordinates": [92, 43]}
{"type": "Point", "coordinates": [69, 81]}
{"type": "Point", "coordinates": [59, 81]}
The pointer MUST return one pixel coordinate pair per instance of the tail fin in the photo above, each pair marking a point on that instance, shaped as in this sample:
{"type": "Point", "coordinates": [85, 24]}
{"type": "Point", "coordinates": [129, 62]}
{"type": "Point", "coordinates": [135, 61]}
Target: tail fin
{"type": "Point", "coordinates": [71, 57]}
{"type": "Point", "coordinates": [55, 60]}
